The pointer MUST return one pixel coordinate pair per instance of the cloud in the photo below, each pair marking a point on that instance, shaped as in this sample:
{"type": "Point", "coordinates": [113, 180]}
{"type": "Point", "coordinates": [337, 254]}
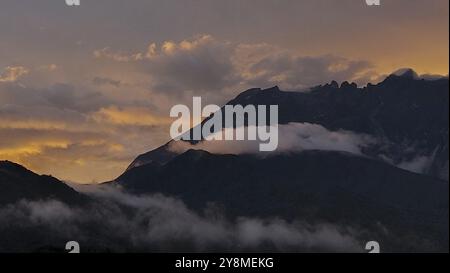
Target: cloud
{"type": "Point", "coordinates": [48, 67]}
{"type": "Point", "coordinates": [93, 152]}
{"type": "Point", "coordinates": [297, 137]}
{"type": "Point", "coordinates": [139, 116]}
{"type": "Point", "coordinates": [293, 137]}
{"type": "Point", "coordinates": [419, 164]}
{"type": "Point", "coordinates": [13, 73]}
{"type": "Point", "coordinates": [299, 72]}
{"type": "Point", "coordinates": [106, 81]}
{"type": "Point", "coordinates": [206, 64]}
{"type": "Point", "coordinates": [60, 96]}
{"type": "Point", "coordinates": [119, 222]}
{"type": "Point", "coordinates": [201, 64]}
{"type": "Point", "coordinates": [430, 77]}
{"type": "Point", "coordinates": [49, 129]}
{"type": "Point", "coordinates": [252, 232]}
{"type": "Point", "coordinates": [116, 56]}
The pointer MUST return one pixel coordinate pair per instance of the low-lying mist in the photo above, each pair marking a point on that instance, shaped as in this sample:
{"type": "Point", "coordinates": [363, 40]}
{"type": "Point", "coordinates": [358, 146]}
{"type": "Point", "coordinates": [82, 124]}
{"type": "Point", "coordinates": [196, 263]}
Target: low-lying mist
{"type": "Point", "coordinates": [120, 222]}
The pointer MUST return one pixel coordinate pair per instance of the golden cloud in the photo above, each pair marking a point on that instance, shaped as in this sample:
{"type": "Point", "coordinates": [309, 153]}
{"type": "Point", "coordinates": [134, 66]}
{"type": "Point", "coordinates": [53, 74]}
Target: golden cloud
{"type": "Point", "coordinates": [13, 73]}
{"type": "Point", "coordinates": [138, 116]}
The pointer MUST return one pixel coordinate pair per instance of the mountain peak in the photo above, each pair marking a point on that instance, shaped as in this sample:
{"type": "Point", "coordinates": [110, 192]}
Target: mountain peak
{"type": "Point", "coordinates": [195, 154]}
{"type": "Point", "coordinates": [404, 75]}
{"type": "Point", "coordinates": [17, 183]}
{"type": "Point", "coordinates": [346, 84]}
{"type": "Point", "coordinates": [273, 89]}
{"type": "Point", "coordinates": [333, 84]}
{"type": "Point", "coordinates": [408, 73]}
{"type": "Point", "coordinates": [8, 165]}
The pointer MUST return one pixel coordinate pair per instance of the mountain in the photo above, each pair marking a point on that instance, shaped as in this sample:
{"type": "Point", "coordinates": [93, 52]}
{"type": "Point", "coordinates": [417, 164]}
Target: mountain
{"type": "Point", "coordinates": [407, 211]}
{"type": "Point", "coordinates": [408, 116]}
{"type": "Point", "coordinates": [313, 186]}
{"type": "Point", "coordinates": [17, 183]}
{"type": "Point", "coordinates": [367, 195]}
{"type": "Point", "coordinates": [35, 211]}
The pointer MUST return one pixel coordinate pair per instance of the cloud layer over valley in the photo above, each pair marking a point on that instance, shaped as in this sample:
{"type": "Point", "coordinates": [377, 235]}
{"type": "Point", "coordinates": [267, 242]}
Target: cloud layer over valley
{"type": "Point", "coordinates": [120, 222]}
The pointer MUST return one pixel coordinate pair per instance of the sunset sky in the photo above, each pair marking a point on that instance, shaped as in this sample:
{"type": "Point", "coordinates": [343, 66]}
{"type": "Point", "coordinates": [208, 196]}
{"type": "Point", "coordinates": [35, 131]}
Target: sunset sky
{"type": "Point", "coordinates": [84, 90]}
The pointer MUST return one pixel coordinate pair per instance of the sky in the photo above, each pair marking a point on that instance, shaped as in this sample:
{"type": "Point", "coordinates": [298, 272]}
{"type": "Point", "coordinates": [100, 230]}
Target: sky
{"type": "Point", "coordinates": [84, 90]}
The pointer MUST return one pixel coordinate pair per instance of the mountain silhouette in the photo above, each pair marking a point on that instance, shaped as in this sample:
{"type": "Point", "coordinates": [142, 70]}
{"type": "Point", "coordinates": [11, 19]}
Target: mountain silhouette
{"type": "Point", "coordinates": [407, 115]}
{"type": "Point", "coordinates": [313, 185]}
{"type": "Point", "coordinates": [18, 183]}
